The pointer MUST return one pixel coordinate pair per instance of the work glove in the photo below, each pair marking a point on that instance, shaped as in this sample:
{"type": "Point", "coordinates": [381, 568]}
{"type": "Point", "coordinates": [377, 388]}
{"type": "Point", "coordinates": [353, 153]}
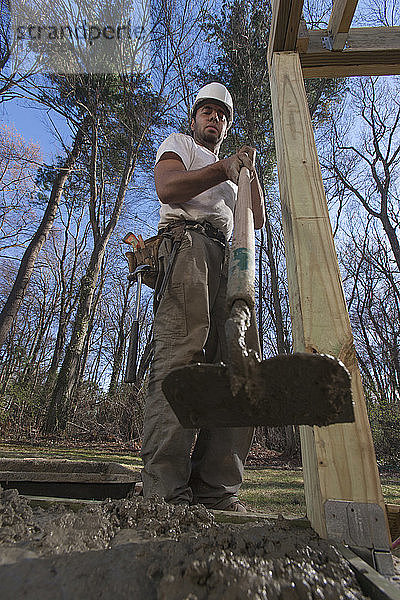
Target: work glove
{"type": "Point", "coordinates": [245, 157]}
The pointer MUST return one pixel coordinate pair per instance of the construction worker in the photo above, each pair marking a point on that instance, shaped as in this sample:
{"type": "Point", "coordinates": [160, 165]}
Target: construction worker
{"type": "Point", "coordinates": [197, 194]}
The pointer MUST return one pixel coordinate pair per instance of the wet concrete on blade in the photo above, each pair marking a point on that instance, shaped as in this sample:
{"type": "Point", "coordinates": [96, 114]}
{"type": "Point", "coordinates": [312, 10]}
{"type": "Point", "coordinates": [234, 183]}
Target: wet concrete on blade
{"type": "Point", "coordinates": [147, 549]}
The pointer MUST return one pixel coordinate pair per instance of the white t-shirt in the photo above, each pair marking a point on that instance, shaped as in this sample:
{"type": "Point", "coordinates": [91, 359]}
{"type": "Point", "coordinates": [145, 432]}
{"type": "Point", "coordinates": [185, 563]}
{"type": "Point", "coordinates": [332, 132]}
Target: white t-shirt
{"type": "Point", "coordinates": [214, 205]}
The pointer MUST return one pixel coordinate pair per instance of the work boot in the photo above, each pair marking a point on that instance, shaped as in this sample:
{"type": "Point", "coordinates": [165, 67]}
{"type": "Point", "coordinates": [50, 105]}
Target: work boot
{"type": "Point", "coordinates": [236, 506]}
{"type": "Point", "coordinates": [185, 503]}
{"type": "Point", "coordinates": [138, 489]}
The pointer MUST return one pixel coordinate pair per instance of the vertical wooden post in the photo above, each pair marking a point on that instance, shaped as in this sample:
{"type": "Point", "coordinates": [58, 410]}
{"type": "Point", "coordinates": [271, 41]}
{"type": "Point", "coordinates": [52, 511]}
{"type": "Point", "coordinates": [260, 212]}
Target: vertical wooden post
{"type": "Point", "coordinates": [339, 461]}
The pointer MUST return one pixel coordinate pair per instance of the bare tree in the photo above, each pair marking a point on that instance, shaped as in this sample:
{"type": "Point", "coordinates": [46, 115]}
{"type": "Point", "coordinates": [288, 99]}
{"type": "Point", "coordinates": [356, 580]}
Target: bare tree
{"type": "Point", "coordinates": [366, 167]}
{"type": "Point", "coordinates": [17, 292]}
{"type": "Point", "coordinates": [69, 263]}
{"type": "Point", "coordinates": [372, 290]}
{"type": "Point", "coordinates": [124, 110]}
{"type": "Point", "coordinates": [19, 163]}
{"type": "Point", "coordinates": [102, 229]}
{"type": "Point", "coordinates": [384, 13]}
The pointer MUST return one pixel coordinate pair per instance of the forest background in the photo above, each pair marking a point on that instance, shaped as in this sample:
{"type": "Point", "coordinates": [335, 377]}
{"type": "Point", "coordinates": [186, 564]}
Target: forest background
{"type": "Point", "coordinates": [70, 193]}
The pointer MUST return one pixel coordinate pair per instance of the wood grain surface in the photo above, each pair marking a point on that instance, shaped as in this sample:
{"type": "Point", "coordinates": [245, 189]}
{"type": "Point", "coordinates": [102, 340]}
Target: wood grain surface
{"type": "Point", "coordinates": [339, 461]}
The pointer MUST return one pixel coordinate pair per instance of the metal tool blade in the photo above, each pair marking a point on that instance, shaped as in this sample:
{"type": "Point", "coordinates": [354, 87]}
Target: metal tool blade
{"type": "Point", "coordinates": [297, 389]}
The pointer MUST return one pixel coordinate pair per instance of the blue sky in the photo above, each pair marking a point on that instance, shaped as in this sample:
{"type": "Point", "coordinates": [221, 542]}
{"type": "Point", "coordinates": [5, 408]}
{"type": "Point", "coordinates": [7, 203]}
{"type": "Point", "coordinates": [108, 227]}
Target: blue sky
{"type": "Point", "coordinates": [34, 125]}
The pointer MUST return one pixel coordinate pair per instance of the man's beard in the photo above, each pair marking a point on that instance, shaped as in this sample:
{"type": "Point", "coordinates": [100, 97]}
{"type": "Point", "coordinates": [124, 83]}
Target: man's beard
{"type": "Point", "coordinates": [209, 137]}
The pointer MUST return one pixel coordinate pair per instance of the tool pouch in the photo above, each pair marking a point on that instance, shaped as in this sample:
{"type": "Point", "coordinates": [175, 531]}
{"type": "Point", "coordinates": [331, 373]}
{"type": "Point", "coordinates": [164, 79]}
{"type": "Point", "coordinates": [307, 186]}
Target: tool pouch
{"type": "Point", "coordinates": [146, 256]}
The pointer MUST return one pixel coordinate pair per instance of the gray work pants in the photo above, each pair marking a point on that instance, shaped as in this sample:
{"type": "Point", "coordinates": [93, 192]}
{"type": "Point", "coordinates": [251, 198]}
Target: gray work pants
{"type": "Point", "coordinates": [186, 465]}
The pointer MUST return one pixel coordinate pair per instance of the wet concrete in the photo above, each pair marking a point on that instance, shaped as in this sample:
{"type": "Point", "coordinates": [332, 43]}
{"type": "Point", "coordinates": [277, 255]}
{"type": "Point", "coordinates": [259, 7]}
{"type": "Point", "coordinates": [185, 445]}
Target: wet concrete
{"type": "Point", "coordinates": [61, 530]}
{"type": "Point", "coordinates": [92, 480]}
{"type": "Point", "coordinates": [147, 549]}
{"type": "Point", "coordinates": [57, 465]}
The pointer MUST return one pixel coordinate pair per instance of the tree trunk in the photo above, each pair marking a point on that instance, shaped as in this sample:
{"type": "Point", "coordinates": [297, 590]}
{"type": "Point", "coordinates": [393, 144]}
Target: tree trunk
{"type": "Point", "coordinates": [67, 303]}
{"type": "Point", "coordinates": [94, 371]}
{"type": "Point", "coordinates": [281, 342]}
{"type": "Point", "coordinates": [59, 407]}
{"type": "Point", "coordinates": [260, 294]}
{"type": "Point", "coordinates": [392, 237]}
{"type": "Point", "coordinates": [89, 332]}
{"type": "Point", "coordinates": [120, 345]}
{"type": "Point", "coordinates": [42, 332]}
{"type": "Point", "coordinates": [60, 341]}
{"type": "Point", "coordinates": [291, 446]}
{"type": "Point", "coordinates": [60, 403]}
{"type": "Point", "coordinates": [24, 274]}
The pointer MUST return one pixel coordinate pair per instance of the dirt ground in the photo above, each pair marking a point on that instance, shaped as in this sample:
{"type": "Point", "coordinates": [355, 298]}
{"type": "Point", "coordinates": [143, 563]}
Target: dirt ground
{"type": "Point", "coordinates": [147, 549]}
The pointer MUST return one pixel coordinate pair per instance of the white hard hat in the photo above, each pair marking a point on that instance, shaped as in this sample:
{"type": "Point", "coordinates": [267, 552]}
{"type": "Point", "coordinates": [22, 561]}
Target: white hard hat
{"type": "Point", "coordinates": [217, 92]}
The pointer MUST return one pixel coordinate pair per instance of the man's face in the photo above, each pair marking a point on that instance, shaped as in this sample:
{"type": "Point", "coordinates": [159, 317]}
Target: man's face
{"type": "Point", "coordinates": [209, 125]}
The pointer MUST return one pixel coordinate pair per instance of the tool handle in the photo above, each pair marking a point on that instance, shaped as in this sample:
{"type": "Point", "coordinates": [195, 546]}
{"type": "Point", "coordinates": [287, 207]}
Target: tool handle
{"type": "Point", "coordinates": [242, 255]}
{"type": "Point", "coordinates": [131, 365]}
{"type": "Point", "coordinates": [168, 271]}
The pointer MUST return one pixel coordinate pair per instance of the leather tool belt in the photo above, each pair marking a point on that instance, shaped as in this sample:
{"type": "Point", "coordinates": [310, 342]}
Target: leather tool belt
{"type": "Point", "coordinates": [175, 230]}
{"type": "Point", "coordinates": [203, 227]}
{"type": "Point", "coordinates": [146, 256]}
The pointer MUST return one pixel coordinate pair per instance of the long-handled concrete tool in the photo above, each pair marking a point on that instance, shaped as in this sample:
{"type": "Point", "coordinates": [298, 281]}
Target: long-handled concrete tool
{"type": "Point", "coordinates": [300, 389]}
{"type": "Point", "coordinates": [131, 365]}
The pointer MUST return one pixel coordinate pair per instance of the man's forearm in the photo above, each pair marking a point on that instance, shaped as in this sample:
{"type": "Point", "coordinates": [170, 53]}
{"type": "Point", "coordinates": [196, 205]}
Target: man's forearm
{"type": "Point", "coordinates": [179, 186]}
{"type": "Point", "coordinates": [175, 185]}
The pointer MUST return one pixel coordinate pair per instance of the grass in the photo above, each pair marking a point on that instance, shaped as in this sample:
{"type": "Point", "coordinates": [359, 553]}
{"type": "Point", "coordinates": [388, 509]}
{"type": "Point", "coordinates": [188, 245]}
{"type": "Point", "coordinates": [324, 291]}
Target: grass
{"type": "Point", "coordinates": [26, 451]}
{"type": "Point", "coordinates": [271, 491]}
{"type": "Point", "coordinates": [277, 491]}
{"type": "Point", "coordinates": [274, 491]}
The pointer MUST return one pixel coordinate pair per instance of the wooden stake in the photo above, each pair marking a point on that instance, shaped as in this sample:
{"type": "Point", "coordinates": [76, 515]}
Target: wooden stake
{"type": "Point", "coordinates": [340, 21]}
{"type": "Point", "coordinates": [338, 461]}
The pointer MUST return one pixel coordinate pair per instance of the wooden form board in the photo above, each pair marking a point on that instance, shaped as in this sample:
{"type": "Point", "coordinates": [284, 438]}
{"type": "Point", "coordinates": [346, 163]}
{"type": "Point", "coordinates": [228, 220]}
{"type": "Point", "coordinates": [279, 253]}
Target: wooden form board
{"type": "Point", "coordinates": [338, 461]}
{"type": "Point", "coordinates": [286, 15]}
{"type": "Point", "coordinates": [393, 514]}
{"type": "Point", "coordinates": [351, 64]}
{"type": "Point", "coordinates": [360, 39]}
{"type": "Point", "coordinates": [340, 21]}
{"type": "Point", "coordinates": [369, 51]}
{"type": "Point", "coordinates": [303, 39]}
